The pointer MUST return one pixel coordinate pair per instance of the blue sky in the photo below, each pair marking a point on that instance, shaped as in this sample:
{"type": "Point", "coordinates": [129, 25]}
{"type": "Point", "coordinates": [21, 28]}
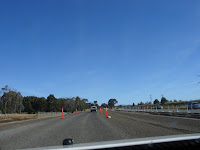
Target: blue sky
{"type": "Point", "coordinates": [101, 49]}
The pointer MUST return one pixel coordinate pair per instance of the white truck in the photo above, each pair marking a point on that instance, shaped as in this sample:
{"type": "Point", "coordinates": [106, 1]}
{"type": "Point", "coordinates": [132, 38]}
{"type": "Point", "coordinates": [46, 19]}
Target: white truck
{"type": "Point", "coordinates": [93, 108]}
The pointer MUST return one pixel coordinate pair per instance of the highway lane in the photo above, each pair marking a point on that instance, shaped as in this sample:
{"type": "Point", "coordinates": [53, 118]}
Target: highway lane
{"type": "Point", "coordinates": [92, 127]}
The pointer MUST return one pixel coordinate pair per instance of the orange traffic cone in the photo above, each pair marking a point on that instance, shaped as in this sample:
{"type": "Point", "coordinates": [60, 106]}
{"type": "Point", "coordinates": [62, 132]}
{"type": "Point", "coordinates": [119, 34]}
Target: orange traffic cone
{"type": "Point", "coordinates": [62, 113]}
{"type": "Point", "coordinates": [106, 113]}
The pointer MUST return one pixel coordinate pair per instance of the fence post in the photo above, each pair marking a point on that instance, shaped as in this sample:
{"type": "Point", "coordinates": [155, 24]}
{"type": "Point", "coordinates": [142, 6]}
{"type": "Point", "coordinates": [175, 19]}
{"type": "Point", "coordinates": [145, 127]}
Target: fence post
{"type": "Point", "coordinates": [168, 109]}
{"type": "Point", "coordinates": [176, 108]}
{"type": "Point", "coordinates": [187, 108]}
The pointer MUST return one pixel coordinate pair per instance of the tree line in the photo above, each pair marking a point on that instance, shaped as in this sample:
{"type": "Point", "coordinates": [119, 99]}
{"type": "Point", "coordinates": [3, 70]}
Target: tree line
{"type": "Point", "coordinates": [11, 101]}
{"type": "Point", "coordinates": [156, 101]}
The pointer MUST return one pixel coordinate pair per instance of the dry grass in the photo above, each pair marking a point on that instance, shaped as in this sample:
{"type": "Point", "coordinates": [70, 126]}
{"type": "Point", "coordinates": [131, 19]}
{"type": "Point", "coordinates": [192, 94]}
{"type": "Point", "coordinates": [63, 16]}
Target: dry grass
{"type": "Point", "coordinates": [16, 117]}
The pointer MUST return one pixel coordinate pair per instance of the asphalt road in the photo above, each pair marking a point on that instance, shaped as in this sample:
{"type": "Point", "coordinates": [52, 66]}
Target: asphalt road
{"type": "Point", "coordinates": [92, 127]}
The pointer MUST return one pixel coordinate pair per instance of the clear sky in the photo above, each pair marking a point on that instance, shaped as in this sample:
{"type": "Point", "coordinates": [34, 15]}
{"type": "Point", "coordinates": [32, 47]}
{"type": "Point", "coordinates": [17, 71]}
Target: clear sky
{"type": "Point", "coordinates": [101, 49]}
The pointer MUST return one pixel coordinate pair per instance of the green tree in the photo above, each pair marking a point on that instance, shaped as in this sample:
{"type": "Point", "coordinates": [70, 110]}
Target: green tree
{"type": "Point", "coordinates": [104, 105]}
{"type": "Point", "coordinates": [69, 105]}
{"type": "Point", "coordinates": [51, 102]}
{"type": "Point", "coordinates": [84, 103]}
{"type": "Point", "coordinates": [141, 103]}
{"type": "Point", "coordinates": [19, 101]}
{"type": "Point", "coordinates": [156, 101]}
{"type": "Point", "coordinates": [120, 106]}
{"type": "Point", "coordinates": [133, 104]}
{"type": "Point", "coordinates": [147, 103]}
{"type": "Point", "coordinates": [163, 100]}
{"type": "Point", "coordinates": [95, 103]}
{"type": "Point", "coordinates": [12, 102]}
{"type": "Point", "coordinates": [112, 102]}
{"type": "Point", "coordinates": [27, 104]}
{"type": "Point", "coordinates": [41, 104]}
{"type": "Point", "coordinates": [78, 103]}
{"type": "Point", "coordinates": [88, 105]}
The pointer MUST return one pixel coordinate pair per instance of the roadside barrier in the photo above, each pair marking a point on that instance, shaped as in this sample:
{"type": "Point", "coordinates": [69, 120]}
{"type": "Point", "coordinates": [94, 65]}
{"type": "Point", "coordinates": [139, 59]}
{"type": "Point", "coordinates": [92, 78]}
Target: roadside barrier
{"type": "Point", "coordinates": [106, 113]}
{"type": "Point", "coordinates": [164, 109]}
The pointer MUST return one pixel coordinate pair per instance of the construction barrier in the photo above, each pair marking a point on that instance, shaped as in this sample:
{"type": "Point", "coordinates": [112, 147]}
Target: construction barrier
{"type": "Point", "coordinates": [62, 113]}
{"type": "Point", "coordinates": [106, 113]}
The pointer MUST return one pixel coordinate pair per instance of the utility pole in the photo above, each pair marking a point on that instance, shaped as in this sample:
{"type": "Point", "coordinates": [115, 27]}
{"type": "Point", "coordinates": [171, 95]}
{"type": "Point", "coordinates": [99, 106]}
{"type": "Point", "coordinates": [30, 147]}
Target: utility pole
{"type": "Point", "coordinates": [151, 99]}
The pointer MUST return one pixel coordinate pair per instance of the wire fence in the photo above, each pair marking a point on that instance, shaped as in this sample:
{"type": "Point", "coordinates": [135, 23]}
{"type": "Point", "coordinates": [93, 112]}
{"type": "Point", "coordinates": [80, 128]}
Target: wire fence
{"type": "Point", "coordinates": [50, 114]}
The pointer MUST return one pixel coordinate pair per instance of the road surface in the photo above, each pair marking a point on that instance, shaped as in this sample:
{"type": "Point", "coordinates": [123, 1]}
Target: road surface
{"type": "Point", "coordinates": [92, 127]}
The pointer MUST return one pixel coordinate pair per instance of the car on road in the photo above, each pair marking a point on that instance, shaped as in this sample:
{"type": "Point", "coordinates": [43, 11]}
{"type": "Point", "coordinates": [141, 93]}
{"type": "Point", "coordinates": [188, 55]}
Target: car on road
{"type": "Point", "coordinates": [158, 107]}
{"type": "Point", "coordinates": [93, 108]}
{"type": "Point", "coordinates": [195, 105]}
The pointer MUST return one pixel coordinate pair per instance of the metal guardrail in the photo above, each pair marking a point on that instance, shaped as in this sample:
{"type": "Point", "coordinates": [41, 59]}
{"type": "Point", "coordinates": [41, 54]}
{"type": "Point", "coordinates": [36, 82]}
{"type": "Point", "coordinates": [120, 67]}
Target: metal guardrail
{"type": "Point", "coordinates": [151, 109]}
{"type": "Point", "coordinates": [174, 111]}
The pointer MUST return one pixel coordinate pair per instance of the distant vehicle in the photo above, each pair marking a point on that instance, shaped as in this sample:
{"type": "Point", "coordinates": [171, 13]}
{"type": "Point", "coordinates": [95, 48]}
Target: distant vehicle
{"type": "Point", "coordinates": [195, 105]}
{"type": "Point", "coordinates": [158, 107]}
{"type": "Point", "coordinates": [93, 108]}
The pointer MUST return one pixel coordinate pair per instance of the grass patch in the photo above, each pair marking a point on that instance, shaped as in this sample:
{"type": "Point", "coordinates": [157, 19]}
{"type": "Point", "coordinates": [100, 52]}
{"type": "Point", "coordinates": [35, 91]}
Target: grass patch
{"type": "Point", "coordinates": [16, 117]}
